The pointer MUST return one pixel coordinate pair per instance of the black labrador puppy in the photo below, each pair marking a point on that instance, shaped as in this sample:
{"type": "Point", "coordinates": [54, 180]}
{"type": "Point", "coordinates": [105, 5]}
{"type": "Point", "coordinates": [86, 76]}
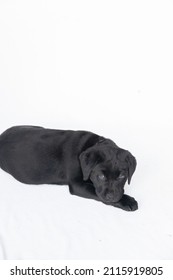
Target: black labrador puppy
{"type": "Point", "coordinates": [93, 167]}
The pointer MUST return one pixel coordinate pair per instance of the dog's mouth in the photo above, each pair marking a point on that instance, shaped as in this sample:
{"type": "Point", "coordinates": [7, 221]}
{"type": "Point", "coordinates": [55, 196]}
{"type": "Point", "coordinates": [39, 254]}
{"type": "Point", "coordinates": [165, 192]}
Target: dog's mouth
{"type": "Point", "coordinates": [108, 198]}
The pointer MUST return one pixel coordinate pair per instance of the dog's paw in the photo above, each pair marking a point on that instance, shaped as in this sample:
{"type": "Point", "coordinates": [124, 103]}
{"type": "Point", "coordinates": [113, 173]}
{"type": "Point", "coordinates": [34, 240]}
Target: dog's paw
{"type": "Point", "coordinates": [128, 203]}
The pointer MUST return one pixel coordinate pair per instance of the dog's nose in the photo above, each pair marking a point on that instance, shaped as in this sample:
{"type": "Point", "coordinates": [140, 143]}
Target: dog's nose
{"type": "Point", "coordinates": [109, 195]}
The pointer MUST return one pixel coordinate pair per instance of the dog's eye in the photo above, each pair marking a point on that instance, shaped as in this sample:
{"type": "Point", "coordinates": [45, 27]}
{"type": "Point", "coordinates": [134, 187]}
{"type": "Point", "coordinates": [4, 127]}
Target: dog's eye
{"type": "Point", "coordinates": [121, 176]}
{"type": "Point", "coordinates": [101, 177]}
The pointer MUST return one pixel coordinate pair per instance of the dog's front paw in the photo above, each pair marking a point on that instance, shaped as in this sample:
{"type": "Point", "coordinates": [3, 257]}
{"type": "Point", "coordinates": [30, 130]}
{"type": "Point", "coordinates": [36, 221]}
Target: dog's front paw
{"type": "Point", "coordinates": [127, 203]}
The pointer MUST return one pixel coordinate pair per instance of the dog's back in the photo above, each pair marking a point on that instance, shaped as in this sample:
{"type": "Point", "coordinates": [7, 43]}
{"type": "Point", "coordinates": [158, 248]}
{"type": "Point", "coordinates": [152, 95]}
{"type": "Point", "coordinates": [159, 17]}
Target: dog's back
{"type": "Point", "coordinates": [15, 142]}
{"type": "Point", "coordinates": [35, 155]}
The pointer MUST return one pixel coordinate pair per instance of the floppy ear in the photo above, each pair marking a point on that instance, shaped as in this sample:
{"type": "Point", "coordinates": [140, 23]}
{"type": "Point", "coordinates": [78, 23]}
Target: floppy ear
{"type": "Point", "coordinates": [131, 166]}
{"type": "Point", "coordinates": [88, 160]}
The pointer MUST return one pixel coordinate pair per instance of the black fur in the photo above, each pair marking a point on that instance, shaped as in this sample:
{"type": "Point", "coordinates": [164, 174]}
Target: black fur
{"type": "Point", "coordinates": [93, 167]}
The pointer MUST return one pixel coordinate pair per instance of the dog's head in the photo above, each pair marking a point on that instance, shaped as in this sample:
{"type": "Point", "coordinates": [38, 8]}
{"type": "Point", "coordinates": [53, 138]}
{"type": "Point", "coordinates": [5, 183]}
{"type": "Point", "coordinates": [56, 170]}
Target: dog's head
{"type": "Point", "coordinates": [108, 167]}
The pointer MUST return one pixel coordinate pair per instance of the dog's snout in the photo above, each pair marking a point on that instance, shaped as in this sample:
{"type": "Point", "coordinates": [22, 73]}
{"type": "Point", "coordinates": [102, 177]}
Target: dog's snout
{"type": "Point", "coordinates": [109, 195]}
{"type": "Point", "coordinates": [119, 193]}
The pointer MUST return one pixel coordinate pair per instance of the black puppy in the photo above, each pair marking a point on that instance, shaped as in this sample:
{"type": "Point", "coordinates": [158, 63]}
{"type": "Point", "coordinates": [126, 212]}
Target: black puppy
{"type": "Point", "coordinates": [93, 167]}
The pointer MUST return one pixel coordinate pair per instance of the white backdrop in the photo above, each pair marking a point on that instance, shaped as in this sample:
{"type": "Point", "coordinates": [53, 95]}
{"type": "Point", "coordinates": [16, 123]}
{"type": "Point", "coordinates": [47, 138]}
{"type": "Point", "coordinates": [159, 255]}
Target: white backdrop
{"type": "Point", "coordinates": [103, 66]}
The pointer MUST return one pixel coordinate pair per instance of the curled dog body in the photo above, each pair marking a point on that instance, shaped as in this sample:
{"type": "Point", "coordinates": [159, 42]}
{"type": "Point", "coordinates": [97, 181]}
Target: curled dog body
{"type": "Point", "coordinates": [94, 167]}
